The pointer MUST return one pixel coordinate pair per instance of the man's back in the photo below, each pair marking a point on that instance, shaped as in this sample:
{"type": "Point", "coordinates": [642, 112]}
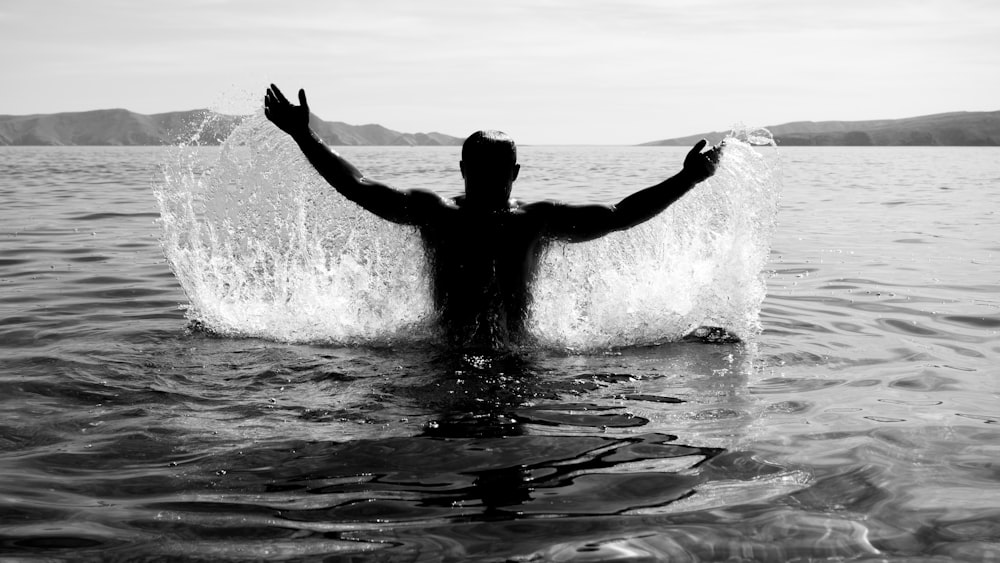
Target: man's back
{"type": "Point", "coordinates": [481, 266]}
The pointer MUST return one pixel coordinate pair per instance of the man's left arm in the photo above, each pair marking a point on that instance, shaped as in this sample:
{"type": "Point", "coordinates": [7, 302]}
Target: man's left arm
{"type": "Point", "coordinates": [579, 223]}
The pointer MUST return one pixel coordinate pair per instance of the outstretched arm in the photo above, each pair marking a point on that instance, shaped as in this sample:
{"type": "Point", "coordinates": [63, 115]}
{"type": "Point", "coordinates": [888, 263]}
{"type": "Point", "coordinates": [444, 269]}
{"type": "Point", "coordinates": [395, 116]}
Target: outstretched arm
{"type": "Point", "coordinates": [382, 200]}
{"type": "Point", "coordinates": [578, 223]}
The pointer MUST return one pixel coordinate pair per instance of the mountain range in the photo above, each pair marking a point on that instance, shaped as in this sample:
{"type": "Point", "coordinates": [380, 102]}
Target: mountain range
{"type": "Point", "coordinates": [123, 127]}
{"type": "Point", "coordinates": [964, 128]}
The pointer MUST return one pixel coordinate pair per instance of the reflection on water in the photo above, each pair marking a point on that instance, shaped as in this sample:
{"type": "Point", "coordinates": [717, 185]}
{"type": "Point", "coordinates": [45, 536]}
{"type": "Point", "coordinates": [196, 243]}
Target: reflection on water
{"type": "Point", "coordinates": [235, 449]}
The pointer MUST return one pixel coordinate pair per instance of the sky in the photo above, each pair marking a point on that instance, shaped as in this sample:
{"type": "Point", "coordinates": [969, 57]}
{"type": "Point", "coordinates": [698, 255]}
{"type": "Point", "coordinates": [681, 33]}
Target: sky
{"type": "Point", "coordinates": [546, 72]}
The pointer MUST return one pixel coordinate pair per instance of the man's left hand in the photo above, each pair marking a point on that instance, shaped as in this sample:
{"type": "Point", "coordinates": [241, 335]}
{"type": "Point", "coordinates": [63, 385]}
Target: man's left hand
{"type": "Point", "coordinates": [699, 165]}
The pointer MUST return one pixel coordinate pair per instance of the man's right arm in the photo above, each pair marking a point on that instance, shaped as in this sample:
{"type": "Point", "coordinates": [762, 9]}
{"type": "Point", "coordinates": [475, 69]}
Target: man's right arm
{"type": "Point", "coordinates": [409, 207]}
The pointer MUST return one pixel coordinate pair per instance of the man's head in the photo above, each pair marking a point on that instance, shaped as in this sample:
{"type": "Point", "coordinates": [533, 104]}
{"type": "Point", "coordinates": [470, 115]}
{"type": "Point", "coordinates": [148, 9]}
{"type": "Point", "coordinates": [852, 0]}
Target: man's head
{"type": "Point", "coordinates": [489, 166]}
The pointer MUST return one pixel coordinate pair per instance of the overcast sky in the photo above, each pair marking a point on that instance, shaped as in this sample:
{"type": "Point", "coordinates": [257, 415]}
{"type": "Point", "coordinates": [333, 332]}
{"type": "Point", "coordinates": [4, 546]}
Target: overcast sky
{"type": "Point", "coordinates": [547, 72]}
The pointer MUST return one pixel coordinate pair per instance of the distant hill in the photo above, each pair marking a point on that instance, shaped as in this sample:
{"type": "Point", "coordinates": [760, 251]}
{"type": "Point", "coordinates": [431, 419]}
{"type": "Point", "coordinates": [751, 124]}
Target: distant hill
{"type": "Point", "coordinates": [122, 127]}
{"type": "Point", "coordinates": [113, 127]}
{"type": "Point", "coordinates": [965, 128]}
{"type": "Point", "coordinates": [339, 133]}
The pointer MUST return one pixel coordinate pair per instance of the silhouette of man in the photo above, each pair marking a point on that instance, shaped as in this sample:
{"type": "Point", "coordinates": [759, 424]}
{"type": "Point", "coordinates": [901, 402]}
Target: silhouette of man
{"type": "Point", "coordinates": [483, 247]}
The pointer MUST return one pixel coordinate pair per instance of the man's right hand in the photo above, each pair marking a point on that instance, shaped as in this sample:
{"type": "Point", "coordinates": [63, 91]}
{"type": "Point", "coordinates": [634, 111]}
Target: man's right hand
{"type": "Point", "coordinates": [290, 118]}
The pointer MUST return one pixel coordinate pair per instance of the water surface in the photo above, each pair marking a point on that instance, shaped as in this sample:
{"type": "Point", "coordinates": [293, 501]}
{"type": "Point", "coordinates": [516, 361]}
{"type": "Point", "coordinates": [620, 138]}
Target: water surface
{"type": "Point", "coordinates": [860, 423]}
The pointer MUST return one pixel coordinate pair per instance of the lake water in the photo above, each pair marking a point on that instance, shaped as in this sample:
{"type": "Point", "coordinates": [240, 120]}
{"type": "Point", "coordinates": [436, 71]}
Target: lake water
{"type": "Point", "coordinates": [319, 419]}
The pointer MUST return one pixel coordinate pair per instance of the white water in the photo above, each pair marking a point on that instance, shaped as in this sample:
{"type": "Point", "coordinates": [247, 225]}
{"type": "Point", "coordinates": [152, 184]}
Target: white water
{"type": "Point", "coordinates": [697, 264]}
{"type": "Point", "coordinates": [264, 247]}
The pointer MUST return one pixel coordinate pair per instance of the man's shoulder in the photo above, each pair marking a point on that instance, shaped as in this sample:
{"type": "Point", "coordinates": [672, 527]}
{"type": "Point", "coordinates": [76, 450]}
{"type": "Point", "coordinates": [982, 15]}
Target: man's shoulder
{"type": "Point", "coordinates": [427, 201]}
{"type": "Point", "coordinates": [543, 209]}
{"type": "Point", "coordinates": [536, 206]}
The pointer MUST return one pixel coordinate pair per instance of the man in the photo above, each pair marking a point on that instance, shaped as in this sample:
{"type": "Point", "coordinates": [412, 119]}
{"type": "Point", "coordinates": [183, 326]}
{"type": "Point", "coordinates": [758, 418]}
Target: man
{"type": "Point", "coordinates": [483, 247]}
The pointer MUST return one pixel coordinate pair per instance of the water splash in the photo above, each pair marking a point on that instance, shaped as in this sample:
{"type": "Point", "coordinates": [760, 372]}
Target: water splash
{"type": "Point", "coordinates": [697, 264]}
{"type": "Point", "coordinates": [263, 247]}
